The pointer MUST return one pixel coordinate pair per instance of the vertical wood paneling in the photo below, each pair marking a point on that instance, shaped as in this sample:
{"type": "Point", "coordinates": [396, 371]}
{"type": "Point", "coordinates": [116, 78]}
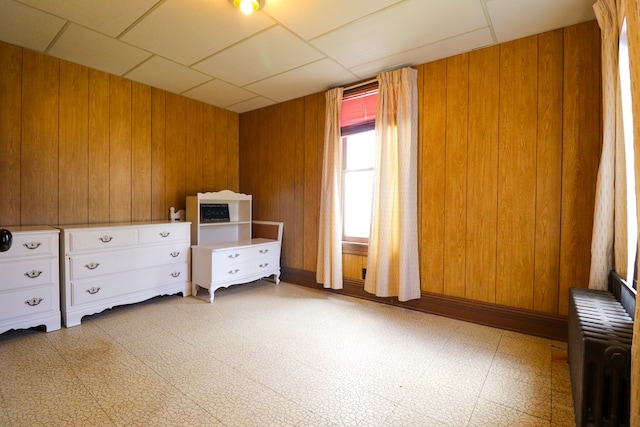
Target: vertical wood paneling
{"type": "Point", "coordinates": [297, 229]}
{"type": "Point", "coordinates": [39, 149]}
{"type": "Point", "coordinates": [208, 148]}
{"type": "Point", "coordinates": [10, 132]}
{"type": "Point", "coordinates": [482, 184]}
{"type": "Point", "coordinates": [455, 218]}
{"type": "Point", "coordinates": [81, 146]}
{"type": "Point", "coordinates": [221, 153]}
{"type": "Point", "coordinates": [119, 149]}
{"type": "Point", "coordinates": [194, 148]}
{"type": "Point", "coordinates": [582, 136]}
{"type": "Point", "coordinates": [549, 172]}
{"type": "Point", "coordinates": [176, 135]}
{"type": "Point", "coordinates": [141, 152]}
{"type": "Point", "coordinates": [74, 143]}
{"type": "Point", "coordinates": [290, 124]}
{"type": "Point", "coordinates": [431, 178]}
{"type": "Point", "coordinates": [517, 172]}
{"type": "Point", "coordinates": [233, 150]}
{"type": "Point", "coordinates": [314, 107]}
{"type": "Point", "coordinates": [98, 146]}
{"type": "Point", "coordinates": [158, 161]}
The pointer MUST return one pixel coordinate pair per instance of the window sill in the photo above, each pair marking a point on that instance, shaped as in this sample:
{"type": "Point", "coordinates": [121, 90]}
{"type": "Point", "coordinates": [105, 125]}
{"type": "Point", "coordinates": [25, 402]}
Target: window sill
{"type": "Point", "coordinates": [352, 248]}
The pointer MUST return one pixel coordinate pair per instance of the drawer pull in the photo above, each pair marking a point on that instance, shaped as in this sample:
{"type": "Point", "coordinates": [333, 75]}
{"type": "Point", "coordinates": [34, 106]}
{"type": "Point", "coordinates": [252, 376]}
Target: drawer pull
{"type": "Point", "coordinates": [92, 265]}
{"type": "Point", "coordinates": [174, 254]}
{"type": "Point", "coordinates": [33, 274]}
{"type": "Point", "coordinates": [233, 271]}
{"type": "Point", "coordinates": [263, 251]}
{"type": "Point", "coordinates": [263, 265]}
{"type": "Point", "coordinates": [32, 245]}
{"type": "Point", "coordinates": [175, 274]}
{"type": "Point", "coordinates": [164, 233]}
{"type": "Point", "coordinates": [34, 301]}
{"type": "Point", "coordinates": [233, 256]}
{"type": "Point", "coordinates": [105, 239]}
{"type": "Point", "coordinates": [93, 290]}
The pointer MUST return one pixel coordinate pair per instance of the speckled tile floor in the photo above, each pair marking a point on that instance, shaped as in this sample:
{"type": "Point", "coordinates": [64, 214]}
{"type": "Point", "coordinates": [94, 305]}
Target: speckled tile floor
{"type": "Point", "coordinates": [280, 355]}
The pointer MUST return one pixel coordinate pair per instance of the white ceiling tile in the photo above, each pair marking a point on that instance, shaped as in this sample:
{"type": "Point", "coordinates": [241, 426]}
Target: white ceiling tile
{"type": "Point", "coordinates": [311, 78]}
{"type": "Point", "coordinates": [82, 46]}
{"type": "Point", "coordinates": [311, 18]}
{"type": "Point", "coordinates": [381, 34]}
{"type": "Point", "coordinates": [219, 93]}
{"type": "Point", "coordinates": [164, 74]}
{"type": "Point", "coordinates": [438, 50]}
{"type": "Point", "coordinates": [266, 54]}
{"type": "Point", "coordinates": [27, 27]}
{"type": "Point", "coordinates": [251, 104]}
{"type": "Point", "coordinates": [187, 31]}
{"type": "Point", "coordinates": [516, 19]}
{"type": "Point", "coordinates": [108, 17]}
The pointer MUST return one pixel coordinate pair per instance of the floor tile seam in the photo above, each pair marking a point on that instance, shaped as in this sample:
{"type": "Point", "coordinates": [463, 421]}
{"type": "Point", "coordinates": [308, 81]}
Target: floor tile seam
{"type": "Point", "coordinates": [504, 404]}
{"type": "Point", "coordinates": [506, 407]}
{"type": "Point", "coordinates": [484, 381]}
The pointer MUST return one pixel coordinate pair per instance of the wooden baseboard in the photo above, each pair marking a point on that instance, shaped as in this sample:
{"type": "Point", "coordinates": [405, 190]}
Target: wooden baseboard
{"type": "Point", "coordinates": [546, 325]}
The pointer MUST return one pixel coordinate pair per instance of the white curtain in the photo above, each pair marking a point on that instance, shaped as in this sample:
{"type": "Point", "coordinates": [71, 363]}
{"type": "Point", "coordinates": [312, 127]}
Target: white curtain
{"type": "Point", "coordinates": [612, 240]}
{"type": "Point", "coordinates": [392, 263]}
{"type": "Point", "coordinates": [631, 9]}
{"type": "Point", "coordinates": [329, 262]}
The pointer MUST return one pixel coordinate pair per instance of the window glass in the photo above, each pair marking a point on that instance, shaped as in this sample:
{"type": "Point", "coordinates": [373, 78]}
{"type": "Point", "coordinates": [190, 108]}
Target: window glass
{"type": "Point", "coordinates": [359, 161]}
{"type": "Point", "coordinates": [627, 120]}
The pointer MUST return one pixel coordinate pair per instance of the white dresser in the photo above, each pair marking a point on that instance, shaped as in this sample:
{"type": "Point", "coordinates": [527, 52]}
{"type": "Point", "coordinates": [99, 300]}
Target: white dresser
{"type": "Point", "coordinates": [29, 280]}
{"type": "Point", "coordinates": [221, 265]}
{"type": "Point", "coordinates": [113, 264]}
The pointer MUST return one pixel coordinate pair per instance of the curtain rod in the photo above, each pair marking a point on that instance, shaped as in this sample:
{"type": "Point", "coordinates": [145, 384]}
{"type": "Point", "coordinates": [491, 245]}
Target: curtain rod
{"type": "Point", "coordinates": [355, 85]}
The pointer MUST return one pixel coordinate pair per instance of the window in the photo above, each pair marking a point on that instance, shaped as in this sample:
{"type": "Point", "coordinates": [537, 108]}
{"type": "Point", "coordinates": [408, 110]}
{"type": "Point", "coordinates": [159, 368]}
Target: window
{"type": "Point", "coordinates": [627, 120]}
{"type": "Point", "coordinates": [357, 121]}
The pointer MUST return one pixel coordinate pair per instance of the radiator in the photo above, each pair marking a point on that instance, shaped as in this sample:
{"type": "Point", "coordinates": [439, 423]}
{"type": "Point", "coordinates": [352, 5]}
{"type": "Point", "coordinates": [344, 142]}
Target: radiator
{"type": "Point", "coordinates": [599, 350]}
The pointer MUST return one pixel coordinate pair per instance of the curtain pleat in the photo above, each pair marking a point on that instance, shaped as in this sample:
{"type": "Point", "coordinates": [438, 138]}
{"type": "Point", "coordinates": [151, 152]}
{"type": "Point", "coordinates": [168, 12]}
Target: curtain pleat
{"type": "Point", "coordinates": [392, 262]}
{"type": "Point", "coordinates": [329, 261]}
{"type": "Point", "coordinates": [602, 241]}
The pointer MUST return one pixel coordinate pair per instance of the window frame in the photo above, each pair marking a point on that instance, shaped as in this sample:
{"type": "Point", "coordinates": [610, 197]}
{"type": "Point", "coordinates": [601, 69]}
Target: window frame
{"type": "Point", "coordinates": [350, 244]}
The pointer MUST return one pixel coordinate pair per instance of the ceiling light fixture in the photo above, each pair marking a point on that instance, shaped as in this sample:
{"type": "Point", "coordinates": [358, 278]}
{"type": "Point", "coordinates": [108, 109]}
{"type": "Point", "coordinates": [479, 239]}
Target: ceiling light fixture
{"type": "Point", "coordinates": [247, 6]}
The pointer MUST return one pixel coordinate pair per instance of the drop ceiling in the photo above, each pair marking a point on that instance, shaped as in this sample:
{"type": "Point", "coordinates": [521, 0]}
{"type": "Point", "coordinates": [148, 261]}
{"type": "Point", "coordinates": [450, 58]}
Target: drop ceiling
{"type": "Point", "coordinates": [207, 50]}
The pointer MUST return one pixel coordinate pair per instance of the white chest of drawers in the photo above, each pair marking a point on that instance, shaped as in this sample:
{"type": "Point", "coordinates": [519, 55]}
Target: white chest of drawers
{"type": "Point", "coordinates": [107, 265]}
{"type": "Point", "coordinates": [29, 280]}
{"type": "Point", "coordinates": [221, 265]}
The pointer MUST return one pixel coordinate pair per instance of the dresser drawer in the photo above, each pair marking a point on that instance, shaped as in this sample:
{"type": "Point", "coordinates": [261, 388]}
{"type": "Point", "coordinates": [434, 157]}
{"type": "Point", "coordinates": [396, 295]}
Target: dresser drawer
{"type": "Point", "coordinates": [267, 251]}
{"type": "Point", "coordinates": [233, 272]}
{"type": "Point", "coordinates": [32, 272]}
{"type": "Point", "coordinates": [100, 239]}
{"type": "Point", "coordinates": [98, 264]}
{"type": "Point", "coordinates": [178, 232]}
{"type": "Point", "coordinates": [32, 245]}
{"type": "Point", "coordinates": [29, 302]}
{"type": "Point", "coordinates": [93, 290]}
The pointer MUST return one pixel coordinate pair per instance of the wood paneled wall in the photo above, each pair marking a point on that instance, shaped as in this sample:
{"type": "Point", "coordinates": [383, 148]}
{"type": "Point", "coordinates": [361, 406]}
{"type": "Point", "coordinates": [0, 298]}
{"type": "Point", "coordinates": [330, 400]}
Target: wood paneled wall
{"type": "Point", "coordinates": [510, 141]}
{"type": "Point", "coordinates": [82, 146]}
